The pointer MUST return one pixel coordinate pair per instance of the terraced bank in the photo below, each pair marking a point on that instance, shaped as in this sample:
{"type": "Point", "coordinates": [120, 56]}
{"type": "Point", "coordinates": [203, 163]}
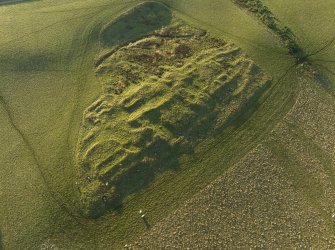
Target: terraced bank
{"type": "Point", "coordinates": [163, 94]}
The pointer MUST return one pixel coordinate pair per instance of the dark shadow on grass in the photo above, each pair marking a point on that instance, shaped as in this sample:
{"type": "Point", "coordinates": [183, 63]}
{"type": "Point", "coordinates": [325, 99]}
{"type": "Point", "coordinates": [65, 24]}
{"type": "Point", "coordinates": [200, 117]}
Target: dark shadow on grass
{"type": "Point", "coordinates": [136, 23]}
{"type": "Point", "coordinates": [9, 2]}
{"type": "Point", "coordinates": [254, 102]}
{"type": "Point", "coordinates": [23, 61]}
{"type": "Point", "coordinates": [146, 223]}
{"type": "Point", "coordinates": [140, 176]}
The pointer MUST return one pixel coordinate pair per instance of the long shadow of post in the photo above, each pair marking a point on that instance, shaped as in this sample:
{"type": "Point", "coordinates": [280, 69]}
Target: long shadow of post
{"type": "Point", "coordinates": [146, 222]}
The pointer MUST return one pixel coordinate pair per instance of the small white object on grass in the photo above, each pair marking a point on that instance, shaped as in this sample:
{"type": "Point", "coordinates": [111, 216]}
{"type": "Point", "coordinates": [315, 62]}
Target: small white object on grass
{"type": "Point", "coordinates": [142, 214]}
{"type": "Point", "coordinates": [333, 216]}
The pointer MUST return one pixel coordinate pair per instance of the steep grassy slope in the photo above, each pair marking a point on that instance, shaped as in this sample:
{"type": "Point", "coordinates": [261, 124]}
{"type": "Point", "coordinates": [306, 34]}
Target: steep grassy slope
{"type": "Point", "coordinates": [47, 54]}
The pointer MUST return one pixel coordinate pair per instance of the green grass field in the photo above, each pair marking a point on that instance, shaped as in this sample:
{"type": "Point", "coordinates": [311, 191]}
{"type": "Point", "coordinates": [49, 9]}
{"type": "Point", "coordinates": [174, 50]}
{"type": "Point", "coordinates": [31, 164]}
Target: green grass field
{"type": "Point", "coordinates": [56, 61]}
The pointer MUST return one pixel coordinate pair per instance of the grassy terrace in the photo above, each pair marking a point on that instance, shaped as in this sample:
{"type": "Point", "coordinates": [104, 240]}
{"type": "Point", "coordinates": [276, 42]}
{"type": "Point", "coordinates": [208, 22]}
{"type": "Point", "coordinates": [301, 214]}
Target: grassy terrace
{"type": "Point", "coordinates": [56, 65]}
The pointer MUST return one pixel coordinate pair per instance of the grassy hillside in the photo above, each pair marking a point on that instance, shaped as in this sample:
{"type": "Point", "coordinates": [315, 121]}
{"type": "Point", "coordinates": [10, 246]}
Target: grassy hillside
{"type": "Point", "coordinates": [49, 51]}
